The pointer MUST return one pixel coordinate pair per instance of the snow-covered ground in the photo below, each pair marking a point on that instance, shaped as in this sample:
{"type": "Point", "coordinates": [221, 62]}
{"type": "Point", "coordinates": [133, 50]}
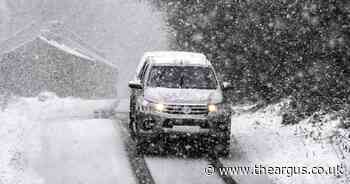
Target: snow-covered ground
{"type": "Point", "coordinates": [53, 140]}
{"type": "Point", "coordinates": [180, 170]}
{"type": "Point", "coordinates": [19, 141]}
{"type": "Point", "coordinates": [261, 139]}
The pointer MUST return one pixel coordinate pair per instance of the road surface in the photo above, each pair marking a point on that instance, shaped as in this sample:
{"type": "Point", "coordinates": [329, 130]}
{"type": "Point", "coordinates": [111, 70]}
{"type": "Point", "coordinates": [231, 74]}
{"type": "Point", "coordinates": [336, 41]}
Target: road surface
{"type": "Point", "coordinates": [76, 146]}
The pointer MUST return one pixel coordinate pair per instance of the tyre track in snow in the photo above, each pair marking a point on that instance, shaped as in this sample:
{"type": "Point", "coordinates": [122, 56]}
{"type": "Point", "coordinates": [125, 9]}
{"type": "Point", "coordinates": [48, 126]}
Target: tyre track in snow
{"type": "Point", "coordinates": [139, 165]}
{"type": "Point", "coordinates": [137, 162]}
{"type": "Point", "coordinates": [214, 161]}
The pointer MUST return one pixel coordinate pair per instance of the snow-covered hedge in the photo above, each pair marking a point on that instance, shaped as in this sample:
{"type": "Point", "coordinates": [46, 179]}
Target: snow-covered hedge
{"type": "Point", "coordinates": [271, 49]}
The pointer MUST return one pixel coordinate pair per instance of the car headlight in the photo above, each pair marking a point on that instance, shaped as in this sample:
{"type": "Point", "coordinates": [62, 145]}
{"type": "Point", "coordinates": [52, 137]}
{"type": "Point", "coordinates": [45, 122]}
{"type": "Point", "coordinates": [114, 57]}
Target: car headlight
{"type": "Point", "coordinates": [159, 107]}
{"type": "Point", "coordinates": [212, 108]}
{"type": "Point", "coordinates": [219, 108]}
{"type": "Point", "coordinates": [148, 106]}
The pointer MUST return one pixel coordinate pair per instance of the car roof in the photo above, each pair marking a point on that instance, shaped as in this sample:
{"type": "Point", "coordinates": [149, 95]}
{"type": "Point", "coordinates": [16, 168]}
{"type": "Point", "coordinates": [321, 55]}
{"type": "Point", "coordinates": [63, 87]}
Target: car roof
{"type": "Point", "coordinates": [176, 58]}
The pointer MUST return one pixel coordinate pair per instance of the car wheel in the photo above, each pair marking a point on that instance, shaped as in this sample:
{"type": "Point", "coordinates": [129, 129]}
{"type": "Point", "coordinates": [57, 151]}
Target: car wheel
{"type": "Point", "coordinates": [225, 152]}
{"type": "Point", "coordinates": [221, 148]}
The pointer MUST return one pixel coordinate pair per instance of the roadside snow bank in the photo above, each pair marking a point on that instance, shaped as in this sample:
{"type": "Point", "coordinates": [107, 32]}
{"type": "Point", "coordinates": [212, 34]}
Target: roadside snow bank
{"type": "Point", "coordinates": [262, 140]}
{"type": "Point", "coordinates": [20, 131]}
{"type": "Point", "coordinates": [19, 141]}
{"type": "Point", "coordinates": [66, 108]}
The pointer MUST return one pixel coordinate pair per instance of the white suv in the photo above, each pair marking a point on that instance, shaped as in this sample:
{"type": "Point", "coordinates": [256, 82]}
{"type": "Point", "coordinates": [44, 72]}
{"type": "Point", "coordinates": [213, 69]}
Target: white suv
{"type": "Point", "coordinates": [178, 93]}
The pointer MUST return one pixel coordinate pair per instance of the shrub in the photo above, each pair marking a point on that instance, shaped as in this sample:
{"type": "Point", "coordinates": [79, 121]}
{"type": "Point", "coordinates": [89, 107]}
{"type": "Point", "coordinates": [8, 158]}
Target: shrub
{"type": "Point", "coordinates": [270, 49]}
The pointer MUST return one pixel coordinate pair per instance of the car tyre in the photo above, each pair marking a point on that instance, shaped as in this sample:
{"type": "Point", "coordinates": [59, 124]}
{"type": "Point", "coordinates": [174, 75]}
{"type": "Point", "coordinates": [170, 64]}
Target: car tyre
{"type": "Point", "coordinates": [221, 146]}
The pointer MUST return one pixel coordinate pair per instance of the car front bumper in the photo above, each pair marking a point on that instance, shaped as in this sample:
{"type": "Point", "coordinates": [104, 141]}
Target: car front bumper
{"type": "Point", "coordinates": [155, 124]}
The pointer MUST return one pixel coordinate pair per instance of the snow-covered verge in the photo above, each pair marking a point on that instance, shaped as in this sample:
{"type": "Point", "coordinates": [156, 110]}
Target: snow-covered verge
{"type": "Point", "coordinates": [20, 126]}
{"type": "Point", "coordinates": [19, 140]}
{"type": "Point", "coordinates": [261, 139]}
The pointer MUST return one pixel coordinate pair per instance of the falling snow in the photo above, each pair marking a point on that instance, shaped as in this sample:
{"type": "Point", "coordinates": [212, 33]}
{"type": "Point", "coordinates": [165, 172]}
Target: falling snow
{"type": "Point", "coordinates": [64, 97]}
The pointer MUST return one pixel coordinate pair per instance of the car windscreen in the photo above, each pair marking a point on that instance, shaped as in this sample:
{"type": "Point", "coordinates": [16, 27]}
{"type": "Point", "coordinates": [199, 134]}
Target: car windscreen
{"type": "Point", "coordinates": [188, 77]}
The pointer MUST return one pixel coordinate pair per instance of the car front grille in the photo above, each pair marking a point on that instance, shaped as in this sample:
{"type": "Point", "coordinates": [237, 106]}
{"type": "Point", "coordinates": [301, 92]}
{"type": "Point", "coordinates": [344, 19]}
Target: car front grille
{"type": "Point", "coordinates": [186, 109]}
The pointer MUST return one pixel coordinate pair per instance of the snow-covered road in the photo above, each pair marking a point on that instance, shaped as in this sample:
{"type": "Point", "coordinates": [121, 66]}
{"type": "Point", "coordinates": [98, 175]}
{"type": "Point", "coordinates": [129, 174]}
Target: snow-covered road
{"type": "Point", "coordinates": [75, 147]}
{"type": "Point", "coordinates": [65, 143]}
{"type": "Point", "coordinates": [83, 151]}
{"type": "Point", "coordinates": [180, 170]}
{"type": "Point", "coordinates": [60, 141]}
{"type": "Point", "coordinates": [170, 169]}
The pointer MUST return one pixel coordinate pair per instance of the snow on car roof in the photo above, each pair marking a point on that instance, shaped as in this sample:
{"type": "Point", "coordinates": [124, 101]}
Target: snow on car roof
{"type": "Point", "coordinates": [177, 57]}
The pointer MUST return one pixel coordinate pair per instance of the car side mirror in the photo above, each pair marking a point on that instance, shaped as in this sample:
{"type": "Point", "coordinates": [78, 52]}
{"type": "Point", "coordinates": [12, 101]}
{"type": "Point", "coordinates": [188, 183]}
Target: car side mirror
{"type": "Point", "coordinates": [135, 85]}
{"type": "Point", "coordinates": [227, 86]}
